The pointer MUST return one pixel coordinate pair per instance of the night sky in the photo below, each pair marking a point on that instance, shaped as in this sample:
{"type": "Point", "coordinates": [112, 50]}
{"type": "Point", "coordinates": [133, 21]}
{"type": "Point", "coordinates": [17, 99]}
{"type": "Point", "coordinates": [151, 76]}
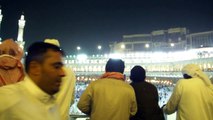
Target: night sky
{"type": "Point", "coordinates": [88, 23]}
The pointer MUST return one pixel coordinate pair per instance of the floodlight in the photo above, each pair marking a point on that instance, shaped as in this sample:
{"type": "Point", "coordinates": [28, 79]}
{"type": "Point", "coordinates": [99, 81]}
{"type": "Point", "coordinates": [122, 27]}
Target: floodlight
{"type": "Point", "coordinates": [99, 47]}
{"type": "Point", "coordinates": [116, 56]}
{"type": "Point", "coordinates": [78, 48]}
{"type": "Point", "coordinates": [123, 46]}
{"type": "Point", "coordinates": [82, 57]}
{"type": "Point", "coordinates": [147, 45]}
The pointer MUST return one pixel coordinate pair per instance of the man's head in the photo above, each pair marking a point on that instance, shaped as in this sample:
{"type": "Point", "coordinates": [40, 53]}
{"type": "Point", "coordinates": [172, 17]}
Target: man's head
{"type": "Point", "coordinates": [44, 64]}
{"type": "Point", "coordinates": [137, 74]}
{"type": "Point", "coordinates": [194, 71]}
{"type": "Point", "coordinates": [115, 65]}
{"type": "Point", "coordinates": [186, 76]}
{"type": "Point", "coordinates": [10, 47]}
{"type": "Point", "coordinates": [191, 70]}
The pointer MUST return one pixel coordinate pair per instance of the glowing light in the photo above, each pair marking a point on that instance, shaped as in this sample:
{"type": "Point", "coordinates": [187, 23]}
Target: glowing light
{"type": "Point", "coordinates": [82, 57]}
{"type": "Point", "coordinates": [123, 46]}
{"type": "Point", "coordinates": [99, 47]}
{"type": "Point", "coordinates": [147, 45]}
{"type": "Point", "coordinates": [116, 56]}
{"type": "Point", "coordinates": [78, 48]}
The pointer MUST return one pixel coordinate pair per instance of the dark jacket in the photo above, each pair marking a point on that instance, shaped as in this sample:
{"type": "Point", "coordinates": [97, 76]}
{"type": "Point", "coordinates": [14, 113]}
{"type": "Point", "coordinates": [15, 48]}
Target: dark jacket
{"type": "Point", "coordinates": [147, 101]}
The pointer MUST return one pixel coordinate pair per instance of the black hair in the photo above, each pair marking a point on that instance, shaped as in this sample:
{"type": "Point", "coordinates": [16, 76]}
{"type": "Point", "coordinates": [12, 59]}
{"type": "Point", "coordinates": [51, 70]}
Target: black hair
{"type": "Point", "coordinates": [36, 52]}
{"type": "Point", "coordinates": [115, 65]}
{"type": "Point", "coordinates": [186, 76]}
{"type": "Point", "coordinates": [138, 74]}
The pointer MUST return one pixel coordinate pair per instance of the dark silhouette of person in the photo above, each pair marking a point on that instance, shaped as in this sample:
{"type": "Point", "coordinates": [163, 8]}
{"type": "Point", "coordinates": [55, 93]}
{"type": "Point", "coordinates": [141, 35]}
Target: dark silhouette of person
{"type": "Point", "coordinates": [146, 96]}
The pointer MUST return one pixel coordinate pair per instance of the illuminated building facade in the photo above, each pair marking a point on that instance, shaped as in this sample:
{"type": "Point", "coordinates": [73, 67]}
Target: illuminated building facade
{"type": "Point", "coordinates": [160, 66]}
{"type": "Point", "coordinates": [159, 40]}
{"type": "Point", "coordinates": [173, 39]}
{"type": "Point", "coordinates": [199, 40]}
{"type": "Point", "coordinates": [162, 53]}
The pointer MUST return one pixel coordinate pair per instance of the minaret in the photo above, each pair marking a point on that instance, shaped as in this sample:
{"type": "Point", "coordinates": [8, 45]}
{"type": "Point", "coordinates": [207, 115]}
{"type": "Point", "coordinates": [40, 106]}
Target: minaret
{"type": "Point", "coordinates": [21, 24]}
{"type": "Point", "coordinates": [0, 24]}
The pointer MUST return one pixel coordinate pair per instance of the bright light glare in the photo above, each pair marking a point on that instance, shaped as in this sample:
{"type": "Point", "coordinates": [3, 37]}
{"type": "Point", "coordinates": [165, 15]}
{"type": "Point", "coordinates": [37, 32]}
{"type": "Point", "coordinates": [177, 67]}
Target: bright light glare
{"type": "Point", "coordinates": [78, 48]}
{"type": "Point", "coordinates": [158, 56]}
{"type": "Point", "coordinates": [99, 47]}
{"type": "Point", "coordinates": [172, 44]}
{"type": "Point", "coordinates": [123, 46]}
{"type": "Point", "coordinates": [116, 56]}
{"type": "Point", "coordinates": [82, 57]}
{"type": "Point", "coordinates": [147, 45]}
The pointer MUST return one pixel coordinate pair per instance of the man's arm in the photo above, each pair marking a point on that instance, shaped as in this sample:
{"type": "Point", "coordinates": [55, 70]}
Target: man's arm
{"type": "Point", "coordinates": [174, 100]}
{"type": "Point", "coordinates": [133, 104]}
{"type": "Point", "coordinates": [84, 103]}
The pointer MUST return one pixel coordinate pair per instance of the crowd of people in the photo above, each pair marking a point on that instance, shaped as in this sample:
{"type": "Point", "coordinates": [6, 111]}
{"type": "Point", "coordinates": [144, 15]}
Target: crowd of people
{"type": "Point", "coordinates": [44, 89]}
{"type": "Point", "coordinates": [164, 92]}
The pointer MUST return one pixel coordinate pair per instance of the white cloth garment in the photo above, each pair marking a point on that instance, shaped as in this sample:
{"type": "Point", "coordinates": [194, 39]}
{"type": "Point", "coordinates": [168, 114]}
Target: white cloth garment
{"type": "Point", "coordinates": [65, 97]}
{"type": "Point", "coordinates": [26, 101]}
{"type": "Point", "coordinates": [194, 71]}
{"type": "Point", "coordinates": [192, 98]}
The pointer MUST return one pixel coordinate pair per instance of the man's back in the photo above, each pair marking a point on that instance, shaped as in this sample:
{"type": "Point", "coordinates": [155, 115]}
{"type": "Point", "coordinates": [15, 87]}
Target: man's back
{"type": "Point", "coordinates": [111, 99]}
{"type": "Point", "coordinates": [194, 100]}
{"type": "Point", "coordinates": [147, 101]}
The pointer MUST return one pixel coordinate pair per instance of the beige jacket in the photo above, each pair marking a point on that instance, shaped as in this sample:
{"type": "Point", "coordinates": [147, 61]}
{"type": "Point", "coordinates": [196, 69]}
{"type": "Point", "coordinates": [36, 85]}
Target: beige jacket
{"type": "Point", "coordinates": [108, 99]}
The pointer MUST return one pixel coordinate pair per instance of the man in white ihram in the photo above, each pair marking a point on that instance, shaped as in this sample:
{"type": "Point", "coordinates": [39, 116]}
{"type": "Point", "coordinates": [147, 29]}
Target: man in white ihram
{"type": "Point", "coordinates": [33, 98]}
{"type": "Point", "coordinates": [65, 97]}
{"type": "Point", "coordinates": [192, 96]}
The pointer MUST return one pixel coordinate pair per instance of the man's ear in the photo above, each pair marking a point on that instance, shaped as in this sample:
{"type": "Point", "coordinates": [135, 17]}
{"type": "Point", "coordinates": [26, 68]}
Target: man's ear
{"type": "Point", "coordinates": [35, 68]}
